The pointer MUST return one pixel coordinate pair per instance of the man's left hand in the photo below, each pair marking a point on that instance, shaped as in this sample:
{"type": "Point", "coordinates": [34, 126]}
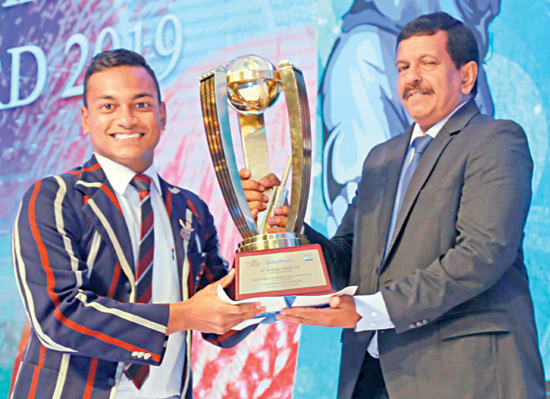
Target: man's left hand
{"type": "Point", "coordinates": [341, 313]}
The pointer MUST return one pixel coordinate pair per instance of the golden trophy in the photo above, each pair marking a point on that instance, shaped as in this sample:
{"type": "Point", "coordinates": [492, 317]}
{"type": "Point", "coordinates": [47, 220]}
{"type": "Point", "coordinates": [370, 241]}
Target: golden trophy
{"type": "Point", "coordinates": [266, 264]}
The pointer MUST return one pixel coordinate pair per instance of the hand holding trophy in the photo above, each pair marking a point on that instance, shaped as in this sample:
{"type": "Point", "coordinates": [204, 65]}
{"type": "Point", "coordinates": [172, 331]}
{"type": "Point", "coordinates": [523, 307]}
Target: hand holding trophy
{"type": "Point", "coordinates": [278, 264]}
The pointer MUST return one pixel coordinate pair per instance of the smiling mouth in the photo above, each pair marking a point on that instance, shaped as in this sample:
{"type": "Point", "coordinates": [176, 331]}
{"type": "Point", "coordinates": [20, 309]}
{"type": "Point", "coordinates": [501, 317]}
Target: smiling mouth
{"type": "Point", "coordinates": [411, 92]}
{"type": "Point", "coordinates": [126, 136]}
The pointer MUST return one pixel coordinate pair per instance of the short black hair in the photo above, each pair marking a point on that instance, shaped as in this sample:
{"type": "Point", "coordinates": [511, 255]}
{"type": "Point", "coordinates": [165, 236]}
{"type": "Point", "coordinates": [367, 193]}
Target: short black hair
{"type": "Point", "coordinates": [115, 58]}
{"type": "Point", "coordinates": [461, 43]}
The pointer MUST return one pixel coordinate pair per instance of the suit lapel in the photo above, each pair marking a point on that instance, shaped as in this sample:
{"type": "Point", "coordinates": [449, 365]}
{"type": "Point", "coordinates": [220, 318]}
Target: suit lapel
{"type": "Point", "coordinates": [105, 214]}
{"type": "Point", "coordinates": [428, 161]}
{"type": "Point", "coordinates": [376, 197]}
{"type": "Point", "coordinates": [395, 156]}
{"type": "Point", "coordinates": [176, 207]}
{"type": "Point", "coordinates": [181, 213]}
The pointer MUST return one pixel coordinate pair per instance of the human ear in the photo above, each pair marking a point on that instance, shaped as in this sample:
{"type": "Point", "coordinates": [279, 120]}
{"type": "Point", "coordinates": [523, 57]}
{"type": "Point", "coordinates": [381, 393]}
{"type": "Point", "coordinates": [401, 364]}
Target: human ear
{"type": "Point", "coordinates": [469, 76]}
{"type": "Point", "coordinates": [84, 116]}
{"type": "Point", "coordinates": [163, 114]}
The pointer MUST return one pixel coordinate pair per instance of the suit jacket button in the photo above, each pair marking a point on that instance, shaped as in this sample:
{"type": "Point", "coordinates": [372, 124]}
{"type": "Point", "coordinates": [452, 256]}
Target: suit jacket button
{"type": "Point", "coordinates": [128, 287]}
{"type": "Point", "coordinates": [111, 382]}
{"type": "Point", "coordinates": [411, 326]}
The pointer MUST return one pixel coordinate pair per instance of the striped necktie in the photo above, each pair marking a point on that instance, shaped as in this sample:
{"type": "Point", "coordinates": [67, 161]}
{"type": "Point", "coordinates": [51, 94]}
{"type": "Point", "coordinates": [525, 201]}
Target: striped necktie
{"type": "Point", "coordinates": [144, 269]}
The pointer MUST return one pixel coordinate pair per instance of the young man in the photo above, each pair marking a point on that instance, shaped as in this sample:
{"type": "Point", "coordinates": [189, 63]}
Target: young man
{"type": "Point", "coordinates": [110, 258]}
{"type": "Point", "coordinates": [433, 240]}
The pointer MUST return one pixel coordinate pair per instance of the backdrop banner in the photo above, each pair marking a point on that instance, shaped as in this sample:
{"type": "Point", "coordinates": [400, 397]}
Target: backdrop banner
{"type": "Point", "coordinates": [346, 51]}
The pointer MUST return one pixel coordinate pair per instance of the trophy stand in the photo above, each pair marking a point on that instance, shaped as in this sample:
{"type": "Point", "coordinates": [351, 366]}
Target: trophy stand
{"type": "Point", "coordinates": [250, 85]}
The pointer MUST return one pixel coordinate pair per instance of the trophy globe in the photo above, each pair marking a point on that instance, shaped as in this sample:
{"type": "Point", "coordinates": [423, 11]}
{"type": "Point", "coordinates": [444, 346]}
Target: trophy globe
{"type": "Point", "coordinates": [253, 84]}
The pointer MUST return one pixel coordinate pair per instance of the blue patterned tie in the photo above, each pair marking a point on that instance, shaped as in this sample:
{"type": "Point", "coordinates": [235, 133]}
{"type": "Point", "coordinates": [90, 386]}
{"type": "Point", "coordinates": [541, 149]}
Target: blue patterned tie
{"type": "Point", "coordinates": [418, 145]}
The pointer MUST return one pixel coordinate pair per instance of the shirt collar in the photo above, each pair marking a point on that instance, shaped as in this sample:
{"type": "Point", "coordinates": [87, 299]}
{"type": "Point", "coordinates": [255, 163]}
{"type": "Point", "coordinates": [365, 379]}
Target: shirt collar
{"type": "Point", "coordinates": [434, 130]}
{"type": "Point", "coordinates": [120, 176]}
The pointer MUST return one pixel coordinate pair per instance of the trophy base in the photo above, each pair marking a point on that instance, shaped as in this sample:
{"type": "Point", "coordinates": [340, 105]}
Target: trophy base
{"type": "Point", "coordinates": [272, 241]}
{"type": "Point", "coordinates": [293, 270]}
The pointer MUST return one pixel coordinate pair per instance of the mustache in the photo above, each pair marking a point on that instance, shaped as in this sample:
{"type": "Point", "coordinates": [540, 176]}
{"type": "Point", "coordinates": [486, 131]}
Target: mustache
{"type": "Point", "coordinates": [409, 88]}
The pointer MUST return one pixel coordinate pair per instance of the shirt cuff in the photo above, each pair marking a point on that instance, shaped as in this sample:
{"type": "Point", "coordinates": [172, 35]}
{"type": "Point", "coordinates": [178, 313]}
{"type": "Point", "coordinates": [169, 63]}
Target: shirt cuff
{"type": "Point", "coordinates": [373, 312]}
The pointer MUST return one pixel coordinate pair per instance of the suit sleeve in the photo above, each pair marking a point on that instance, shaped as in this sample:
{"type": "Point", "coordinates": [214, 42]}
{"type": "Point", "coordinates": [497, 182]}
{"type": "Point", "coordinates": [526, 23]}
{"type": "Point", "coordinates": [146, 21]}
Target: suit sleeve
{"type": "Point", "coordinates": [213, 266]}
{"type": "Point", "coordinates": [493, 207]}
{"type": "Point", "coordinates": [337, 251]}
{"type": "Point", "coordinates": [64, 308]}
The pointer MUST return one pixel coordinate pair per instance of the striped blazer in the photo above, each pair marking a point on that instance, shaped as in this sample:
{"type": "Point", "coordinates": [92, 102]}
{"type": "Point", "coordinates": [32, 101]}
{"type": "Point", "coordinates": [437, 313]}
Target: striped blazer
{"type": "Point", "coordinates": [73, 263]}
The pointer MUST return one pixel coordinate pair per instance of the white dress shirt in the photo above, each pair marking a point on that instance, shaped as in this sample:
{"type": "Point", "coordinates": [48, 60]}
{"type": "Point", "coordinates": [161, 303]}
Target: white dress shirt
{"type": "Point", "coordinates": [372, 308]}
{"type": "Point", "coordinates": [165, 380]}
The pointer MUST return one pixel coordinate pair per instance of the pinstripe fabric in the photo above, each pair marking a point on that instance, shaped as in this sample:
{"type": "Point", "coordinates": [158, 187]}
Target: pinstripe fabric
{"type": "Point", "coordinates": [72, 255]}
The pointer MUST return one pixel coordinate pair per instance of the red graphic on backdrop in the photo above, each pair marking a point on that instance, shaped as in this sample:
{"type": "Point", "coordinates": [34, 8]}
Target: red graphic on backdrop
{"type": "Point", "coordinates": [45, 137]}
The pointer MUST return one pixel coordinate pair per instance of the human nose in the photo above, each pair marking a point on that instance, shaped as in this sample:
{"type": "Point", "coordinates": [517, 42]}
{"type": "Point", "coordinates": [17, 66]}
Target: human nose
{"type": "Point", "coordinates": [126, 117]}
{"type": "Point", "coordinates": [412, 75]}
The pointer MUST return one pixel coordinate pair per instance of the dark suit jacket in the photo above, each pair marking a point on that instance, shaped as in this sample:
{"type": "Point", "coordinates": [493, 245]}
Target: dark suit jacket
{"type": "Point", "coordinates": [453, 280]}
{"type": "Point", "coordinates": [74, 265]}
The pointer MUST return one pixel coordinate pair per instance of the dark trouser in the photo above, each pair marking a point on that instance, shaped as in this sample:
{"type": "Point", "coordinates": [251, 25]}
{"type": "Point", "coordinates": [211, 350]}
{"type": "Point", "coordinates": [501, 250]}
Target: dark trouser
{"type": "Point", "coordinates": [370, 384]}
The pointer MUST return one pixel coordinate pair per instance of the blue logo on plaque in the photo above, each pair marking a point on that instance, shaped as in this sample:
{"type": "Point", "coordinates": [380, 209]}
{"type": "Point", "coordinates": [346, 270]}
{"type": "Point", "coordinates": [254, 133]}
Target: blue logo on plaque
{"type": "Point", "coordinates": [308, 257]}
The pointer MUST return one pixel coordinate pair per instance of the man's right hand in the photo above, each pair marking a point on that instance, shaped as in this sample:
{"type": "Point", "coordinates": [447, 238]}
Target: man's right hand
{"type": "Point", "coordinates": [253, 190]}
{"type": "Point", "coordinates": [206, 313]}
{"type": "Point", "coordinates": [257, 201]}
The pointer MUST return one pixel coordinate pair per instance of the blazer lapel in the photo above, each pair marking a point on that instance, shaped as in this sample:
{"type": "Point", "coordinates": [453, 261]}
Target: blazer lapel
{"type": "Point", "coordinates": [105, 214]}
{"type": "Point", "coordinates": [176, 207]}
{"type": "Point", "coordinates": [396, 151]}
{"type": "Point", "coordinates": [428, 162]}
{"type": "Point", "coordinates": [383, 172]}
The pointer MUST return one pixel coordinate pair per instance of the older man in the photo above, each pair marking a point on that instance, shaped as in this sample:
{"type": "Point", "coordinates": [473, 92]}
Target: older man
{"type": "Point", "coordinates": [433, 239]}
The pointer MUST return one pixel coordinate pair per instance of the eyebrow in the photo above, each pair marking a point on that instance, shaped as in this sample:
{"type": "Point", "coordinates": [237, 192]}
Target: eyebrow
{"type": "Point", "coordinates": [419, 58]}
{"type": "Point", "coordinates": [428, 55]}
{"type": "Point", "coordinates": [141, 95]}
{"type": "Point", "coordinates": [136, 97]}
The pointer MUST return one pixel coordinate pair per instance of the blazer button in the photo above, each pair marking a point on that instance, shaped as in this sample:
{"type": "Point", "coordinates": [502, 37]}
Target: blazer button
{"type": "Point", "coordinates": [111, 382]}
{"type": "Point", "coordinates": [411, 326]}
{"type": "Point", "coordinates": [128, 287]}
